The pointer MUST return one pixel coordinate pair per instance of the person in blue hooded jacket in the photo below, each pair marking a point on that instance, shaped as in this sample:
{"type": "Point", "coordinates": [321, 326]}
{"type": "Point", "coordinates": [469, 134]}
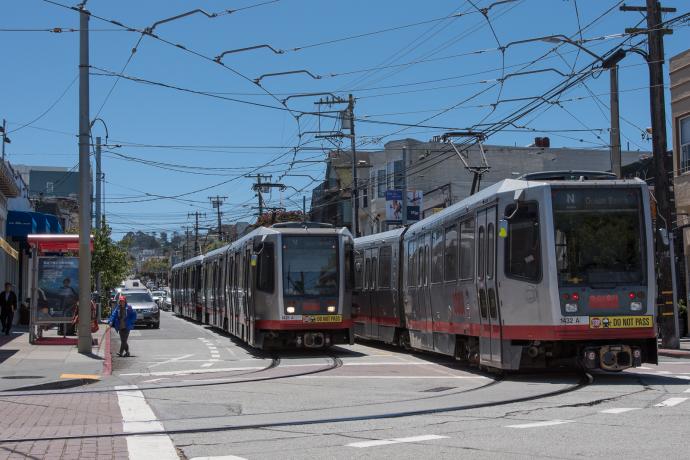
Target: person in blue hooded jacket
{"type": "Point", "coordinates": [122, 319]}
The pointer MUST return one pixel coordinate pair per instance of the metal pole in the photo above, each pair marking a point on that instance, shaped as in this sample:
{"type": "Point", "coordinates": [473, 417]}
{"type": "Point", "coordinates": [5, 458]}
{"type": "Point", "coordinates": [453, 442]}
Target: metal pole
{"type": "Point", "coordinates": [84, 342]}
{"type": "Point", "coordinates": [615, 125]}
{"type": "Point", "coordinates": [304, 207]}
{"type": "Point", "coordinates": [404, 186]}
{"type": "Point", "coordinates": [4, 137]}
{"type": "Point", "coordinates": [98, 224]}
{"type": "Point", "coordinates": [258, 192]}
{"type": "Point", "coordinates": [672, 249]}
{"type": "Point", "coordinates": [355, 201]}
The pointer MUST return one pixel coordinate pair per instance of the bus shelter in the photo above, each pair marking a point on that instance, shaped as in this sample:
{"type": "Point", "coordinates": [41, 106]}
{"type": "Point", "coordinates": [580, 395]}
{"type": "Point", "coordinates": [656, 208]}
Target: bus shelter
{"type": "Point", "coordinates": [54, 281]}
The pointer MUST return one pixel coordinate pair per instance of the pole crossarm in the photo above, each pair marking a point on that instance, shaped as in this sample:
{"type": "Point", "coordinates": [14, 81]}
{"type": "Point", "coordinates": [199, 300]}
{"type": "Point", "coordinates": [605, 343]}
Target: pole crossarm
{"type": "Point", "coordinates": [289, 72]}
{"type": "Point", "coordinates": [219, 58]}
{"type": "Point", "coordinates": [149, 30]}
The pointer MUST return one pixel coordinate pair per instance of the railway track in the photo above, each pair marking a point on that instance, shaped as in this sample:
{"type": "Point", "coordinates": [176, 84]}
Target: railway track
{"type": "Point", "coordinates": [292, 418]}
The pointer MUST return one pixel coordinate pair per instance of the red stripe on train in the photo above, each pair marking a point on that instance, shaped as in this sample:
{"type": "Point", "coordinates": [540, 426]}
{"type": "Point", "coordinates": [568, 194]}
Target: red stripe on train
{"type": "Point", "coordinates": [292, 325]}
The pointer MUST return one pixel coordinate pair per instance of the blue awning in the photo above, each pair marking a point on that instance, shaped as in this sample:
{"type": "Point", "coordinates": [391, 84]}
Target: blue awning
{"type": "Point", "coordinates": [20, 223]}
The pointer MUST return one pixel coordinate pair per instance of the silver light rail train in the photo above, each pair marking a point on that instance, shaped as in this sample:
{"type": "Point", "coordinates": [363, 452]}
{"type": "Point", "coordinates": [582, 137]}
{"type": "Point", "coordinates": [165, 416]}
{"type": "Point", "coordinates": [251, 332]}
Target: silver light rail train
{"type": "Point", "coordinates": [283, 286]}
{"type": "Point", "coordinates": [523, 274]}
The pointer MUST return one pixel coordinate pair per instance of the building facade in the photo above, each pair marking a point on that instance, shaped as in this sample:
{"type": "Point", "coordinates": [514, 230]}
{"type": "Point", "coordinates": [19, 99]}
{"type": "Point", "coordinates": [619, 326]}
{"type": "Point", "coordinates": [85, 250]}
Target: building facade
{"type": "Point", "coordinates": [435, 170]}
{"type": "Point", "coordinates": [680, 121]}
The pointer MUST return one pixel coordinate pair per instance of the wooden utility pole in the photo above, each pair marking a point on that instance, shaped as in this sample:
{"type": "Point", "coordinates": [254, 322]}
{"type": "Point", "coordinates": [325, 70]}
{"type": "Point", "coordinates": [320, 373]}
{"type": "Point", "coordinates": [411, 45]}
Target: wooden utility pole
{"type": "Point", "coordinates": [196, 214]}
{"type": "Point", "coordinates": [666, 309]}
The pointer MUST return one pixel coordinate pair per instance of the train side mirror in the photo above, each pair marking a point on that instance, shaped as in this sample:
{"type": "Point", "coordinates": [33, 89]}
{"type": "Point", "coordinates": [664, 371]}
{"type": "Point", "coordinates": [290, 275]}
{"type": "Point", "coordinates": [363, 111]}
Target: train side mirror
{"type": "Point", "coordinates": [519, 195]}
{"type": "Point", "coordinates": [663, 233]}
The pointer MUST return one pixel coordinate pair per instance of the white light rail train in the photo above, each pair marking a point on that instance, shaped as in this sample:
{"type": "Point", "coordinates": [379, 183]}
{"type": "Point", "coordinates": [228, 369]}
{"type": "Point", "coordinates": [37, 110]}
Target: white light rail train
{"type": "Point", "coordinates": [289, 285]}
{"type": "Point", "coordinates": [533, 273]}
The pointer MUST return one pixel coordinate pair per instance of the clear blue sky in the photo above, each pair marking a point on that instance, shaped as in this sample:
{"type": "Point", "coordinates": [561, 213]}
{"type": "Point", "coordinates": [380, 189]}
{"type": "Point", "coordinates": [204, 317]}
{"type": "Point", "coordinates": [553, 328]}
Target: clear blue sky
{"type": "Point", "coordinates": [198, 142]}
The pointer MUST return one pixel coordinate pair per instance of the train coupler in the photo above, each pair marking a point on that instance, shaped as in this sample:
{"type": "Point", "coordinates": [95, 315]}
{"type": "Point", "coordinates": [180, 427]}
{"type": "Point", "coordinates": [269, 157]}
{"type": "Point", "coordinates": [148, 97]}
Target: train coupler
{"type": "Point", "coordinates": [612, 357]}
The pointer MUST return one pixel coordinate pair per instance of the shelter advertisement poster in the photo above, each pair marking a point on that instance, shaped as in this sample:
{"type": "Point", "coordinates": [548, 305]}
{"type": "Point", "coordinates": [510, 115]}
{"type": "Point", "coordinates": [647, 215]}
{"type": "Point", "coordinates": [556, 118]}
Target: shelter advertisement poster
{"type": "Point", "coordinates": [57, 288]}
{"type": "Point", "coordinates": [394, 206]}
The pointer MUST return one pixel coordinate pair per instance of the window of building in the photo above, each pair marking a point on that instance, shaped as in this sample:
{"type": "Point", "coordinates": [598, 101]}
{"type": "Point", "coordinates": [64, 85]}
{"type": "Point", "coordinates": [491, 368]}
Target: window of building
{"type": "Point", "coordinates": [451, 253]}
{"type": "Point", "coordinates": [437, 257]}
{"type": "Point", "coordinates": [385, 261]}
{"type": "Point", "coordinates": [50, 187]}
{"type": "Point", "coordinates": [381, 183]}
{"type": "Point", "coordinates": [390, 175]}
{"type": "Point", "coordinates": [365, 196]}
{"type": "Point", "coordinates": [466, 249]}
{"type": "Point", "coordinates": [523, 252]}
{"type": "Point", "coordinates": [372, 184]}
{"type": "Point", "coordinates": [684, 128]}
{"type": "Point", "coordinates": [398, 174]}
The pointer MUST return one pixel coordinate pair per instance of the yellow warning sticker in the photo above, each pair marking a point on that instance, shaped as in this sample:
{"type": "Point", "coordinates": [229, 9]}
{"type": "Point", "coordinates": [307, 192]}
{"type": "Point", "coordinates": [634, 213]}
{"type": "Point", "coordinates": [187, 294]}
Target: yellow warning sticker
{"type": "Point", "coordinates": [620, 322]}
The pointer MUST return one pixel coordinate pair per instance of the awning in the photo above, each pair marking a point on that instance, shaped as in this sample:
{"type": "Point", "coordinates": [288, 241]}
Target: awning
{"type": "Point", "coordinates": [20, 223]}
{"type": "Point", "coordinates": [56, 243]}
{"type": "Point", "coordinates": [23, 223]}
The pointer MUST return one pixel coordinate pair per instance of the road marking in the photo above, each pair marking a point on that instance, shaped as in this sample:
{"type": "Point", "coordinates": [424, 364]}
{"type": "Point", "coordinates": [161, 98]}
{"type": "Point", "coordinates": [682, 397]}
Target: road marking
{"type": "Point", "coordinates": [670, 402]}
{"type": "Point", "coordinates": [687, 391]}
{"type": "Point", "coordinates": [191, 371]}
{"type": "Point", "coordinates": [619, 410]}
{"type": "Point", "coordinates": [222, 457]}
{"type": "Point", "coordinates": [172, 360]}
{"type": "Point", "coordinates": [81, 376]}
{"type": "Point", "coordinates": [154, 380]}
{"type": "Point", "coordinates": [540, 424]}
{"type": "Point", "coordinates": [138, 417]}
{"type": "Point", "coordinates": [383, 442]}
{"type": "Point", "coordinates": [645, 368]}
{"type": "Point", "coordinates": [391, 377]}
{"type": "Point", "coordinates": [207, 365]}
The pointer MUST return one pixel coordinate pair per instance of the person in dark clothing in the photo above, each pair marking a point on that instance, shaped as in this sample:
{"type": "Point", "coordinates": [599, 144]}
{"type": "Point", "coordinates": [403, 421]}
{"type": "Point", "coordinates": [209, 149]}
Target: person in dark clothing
{"type": "Point", "coordinates": [122, 319]}
{"type": "Point", "coordinates": [8, 305]}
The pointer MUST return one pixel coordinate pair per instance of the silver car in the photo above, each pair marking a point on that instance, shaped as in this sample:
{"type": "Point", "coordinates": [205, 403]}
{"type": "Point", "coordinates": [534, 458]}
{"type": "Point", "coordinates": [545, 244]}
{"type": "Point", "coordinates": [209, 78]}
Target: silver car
{"type": "Point", "coordinates": [148, 313]}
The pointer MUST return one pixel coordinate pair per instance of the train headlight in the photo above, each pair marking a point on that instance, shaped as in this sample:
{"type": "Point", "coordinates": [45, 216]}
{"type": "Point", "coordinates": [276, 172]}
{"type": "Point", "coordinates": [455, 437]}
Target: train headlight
{"type": "Point", "coordinates": [571, 308]}
{"type": "Point", "coordinates": [290, 309]}
{"type": "Point", "coordinates": [636, 306]}
{"type": "Point", "coordinates": [331, 309]}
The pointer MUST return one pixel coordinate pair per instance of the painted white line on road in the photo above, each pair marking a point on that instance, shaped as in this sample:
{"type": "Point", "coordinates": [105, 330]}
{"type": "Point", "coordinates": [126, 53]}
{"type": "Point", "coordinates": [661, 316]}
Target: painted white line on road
{"type": "Point", "coordinates": [619, 410]}
{"type": "Point", "coordinates": [670, 402]}
{"type": "Point", "coordinates": [645, 368]}
{"type": "Point", "coordinates": [191, 371]}
{"type": "Point", "coordinates": [383, 442]}
{"type": "Point", "coordinates": [687, 391]}
{"type": "Point", "coordinates": [442, 377]}
{"type": "Point", "coordinates": [172, 360]}
{"type": "Point", "coordinates": [207, 365]}
{"type": "Point", "coordinates": [540, 424]}
{"type": "Point", "coordinates": [138, 417]}
{"type": "Point", "coordinates": [222, 457]}
{"type": "Point", "coordinates": [154, 380]}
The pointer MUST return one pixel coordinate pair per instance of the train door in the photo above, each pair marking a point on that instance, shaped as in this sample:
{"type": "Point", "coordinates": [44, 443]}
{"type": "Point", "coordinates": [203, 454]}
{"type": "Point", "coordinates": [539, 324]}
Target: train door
{"type": "Point", "coordinates": [489, 312]}
{"type": "Point", "coordinates": [424, 293]}
{"type": "Point", "coordinates": [249, 296]}
{"type": "Point", "coordinates": [374, 307]}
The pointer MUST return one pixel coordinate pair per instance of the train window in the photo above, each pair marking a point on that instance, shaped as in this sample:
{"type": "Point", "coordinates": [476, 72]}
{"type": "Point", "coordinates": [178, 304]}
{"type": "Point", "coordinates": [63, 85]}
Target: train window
{"type": "Point", "coordinates": [265, 269]}
{"type": "Point", "coordinates": [385, 261]}
{"type": "Point", "coordinates": [374, 269]}
{"type": "Point", "coordinates": [481, 239]}
{"type": "Point", "coordinates": [451, 253]}
{"type": "Point", "coordinates": [359, 270]}
{"type": "Point", "coordinates": [367, 273]}
{"type": "Point", "coordinates": [491, 250]}
{"type": "Point", "coordinates": [437, 257]}
{"type": "Point", "coordinates": [467, 249]}
{"type": "Point", "coordinates": [523, 251]}
{"type": "Point", "coordinates": [349, 266]}
{"type": "Point", "coordinates": [411, 278]}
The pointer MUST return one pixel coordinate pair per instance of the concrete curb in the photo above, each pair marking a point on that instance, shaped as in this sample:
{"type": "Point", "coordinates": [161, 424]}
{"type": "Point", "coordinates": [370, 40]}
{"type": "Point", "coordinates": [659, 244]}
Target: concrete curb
{"type": "Point", "coordinates": [671, 353]}
{"type": "Point", "coordinates": [107, 355]}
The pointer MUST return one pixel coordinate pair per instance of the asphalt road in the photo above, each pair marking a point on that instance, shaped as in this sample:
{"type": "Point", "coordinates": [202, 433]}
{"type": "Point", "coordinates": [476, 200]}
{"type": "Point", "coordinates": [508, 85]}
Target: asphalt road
{"type": "Point", "coordinates": [202, 394]}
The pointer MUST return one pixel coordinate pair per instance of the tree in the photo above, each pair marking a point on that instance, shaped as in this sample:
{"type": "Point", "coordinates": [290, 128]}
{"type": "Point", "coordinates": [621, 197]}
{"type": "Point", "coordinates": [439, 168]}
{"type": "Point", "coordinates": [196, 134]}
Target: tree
{"type": "Point", "coordinates": [269, 218]}
{"type": "Point", "coordinates": [109, 259]}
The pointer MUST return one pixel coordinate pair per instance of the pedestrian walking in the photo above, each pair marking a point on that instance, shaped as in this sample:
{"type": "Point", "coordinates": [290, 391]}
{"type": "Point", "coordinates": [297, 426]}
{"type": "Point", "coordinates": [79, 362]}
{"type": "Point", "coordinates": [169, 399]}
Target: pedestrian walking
{"type": "Point", "coordinates": [122, 319]}
{"type": "Point", "coordinates": [8, 305]}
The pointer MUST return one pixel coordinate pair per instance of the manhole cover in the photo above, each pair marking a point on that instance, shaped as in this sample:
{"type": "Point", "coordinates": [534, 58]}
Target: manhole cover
{"type": "Point", "coordinates": [19, 377]}
{"type": "Point", "coordinates": [437, 389]}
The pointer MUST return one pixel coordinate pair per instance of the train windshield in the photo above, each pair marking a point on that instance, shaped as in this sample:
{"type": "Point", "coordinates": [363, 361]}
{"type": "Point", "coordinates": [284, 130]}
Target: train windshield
{"type": "Point", "coordinates": [310, 266]}
{"type": "Point", "coordinates": [599, 236]}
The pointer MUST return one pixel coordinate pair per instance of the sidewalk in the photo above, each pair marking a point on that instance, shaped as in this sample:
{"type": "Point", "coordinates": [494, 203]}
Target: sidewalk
{"type": "Point", "coordinates": [35, 407]}
{"type": "Point", "coordinates": [24, 366]}
{"type": "Point", "coordinates": [683, 352]}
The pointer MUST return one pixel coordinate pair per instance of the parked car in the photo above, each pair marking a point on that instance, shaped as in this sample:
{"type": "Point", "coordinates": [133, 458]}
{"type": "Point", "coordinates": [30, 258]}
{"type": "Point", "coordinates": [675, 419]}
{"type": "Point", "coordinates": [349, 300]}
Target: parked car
{"type": "Point", "coordinates": [148, 312]}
